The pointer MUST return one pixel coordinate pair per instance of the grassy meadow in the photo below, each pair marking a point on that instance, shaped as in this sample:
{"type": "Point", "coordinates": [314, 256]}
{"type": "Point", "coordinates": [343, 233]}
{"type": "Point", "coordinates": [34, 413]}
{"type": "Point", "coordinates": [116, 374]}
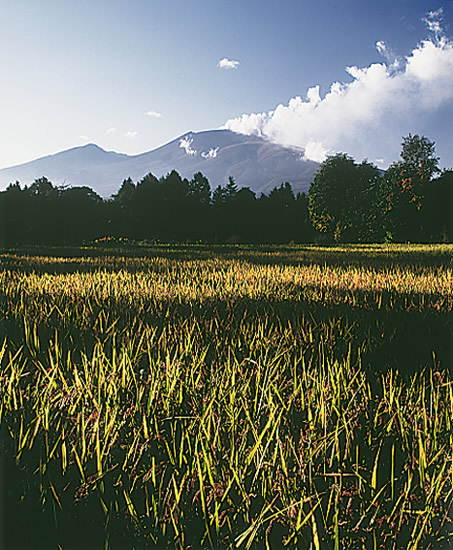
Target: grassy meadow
{"type": "Point", "coordinates": [227, 397]}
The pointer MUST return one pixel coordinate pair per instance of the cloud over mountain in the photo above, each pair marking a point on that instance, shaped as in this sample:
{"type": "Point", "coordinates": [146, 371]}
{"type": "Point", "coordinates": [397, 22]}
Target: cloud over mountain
{"type": "Point", "coordinates": [382, 99]}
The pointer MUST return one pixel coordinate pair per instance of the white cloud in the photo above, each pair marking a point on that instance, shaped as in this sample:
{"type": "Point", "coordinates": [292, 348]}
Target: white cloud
{"type": "Point", "coordinates": [393, 61]}
{"type": "Point", "coordinates": [384, 100]}
{"type": "Point", "coordinates": [112, 131]}
{"type": "Point", "coordinates": [185, 143]}
{"type": "Point", "coordinates": [211, 154]}
{"type": "Point", "coordinates": [381, 47]}
{"type": "Point", "coordinates": [314, 150]}
{"type": "Point", "coordinates": [228, 64]}
{"type": "Point", "coordinates": [153, 114]}
{"type": "Point", "coordinates": [434, 23]}
{"type": "Point", "coordinates": [131, 134]}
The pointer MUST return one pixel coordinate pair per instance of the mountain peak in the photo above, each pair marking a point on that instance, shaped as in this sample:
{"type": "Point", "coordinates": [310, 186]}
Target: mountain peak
{"type": "Point", "coordinates": [90, 146]}
{"type": "Point", "coordinates": [252, 161]}
{"type": "Point", "coordinates": [87, 147]}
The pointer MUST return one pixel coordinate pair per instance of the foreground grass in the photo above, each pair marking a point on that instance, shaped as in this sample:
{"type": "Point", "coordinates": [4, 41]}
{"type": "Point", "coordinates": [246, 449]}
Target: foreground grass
{"type": "Point", "coordinates": [226, 401]}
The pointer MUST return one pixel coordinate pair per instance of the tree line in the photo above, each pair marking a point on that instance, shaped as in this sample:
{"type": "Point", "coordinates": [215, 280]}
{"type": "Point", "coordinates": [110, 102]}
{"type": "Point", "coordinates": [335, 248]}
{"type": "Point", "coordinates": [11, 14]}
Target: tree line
{"type": "Point", "coordinates": [346, 202]}
{"type": "Point", "coordinates": [166, 209]}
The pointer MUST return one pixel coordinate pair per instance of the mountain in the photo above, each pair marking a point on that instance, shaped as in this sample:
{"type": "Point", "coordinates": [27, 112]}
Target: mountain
{"type": "Point", "coordinates": [252, 161]}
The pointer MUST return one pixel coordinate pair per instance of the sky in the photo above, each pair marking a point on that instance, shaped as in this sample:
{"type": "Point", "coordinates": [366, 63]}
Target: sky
{"type": "Point", "coordinates": [354, 76]}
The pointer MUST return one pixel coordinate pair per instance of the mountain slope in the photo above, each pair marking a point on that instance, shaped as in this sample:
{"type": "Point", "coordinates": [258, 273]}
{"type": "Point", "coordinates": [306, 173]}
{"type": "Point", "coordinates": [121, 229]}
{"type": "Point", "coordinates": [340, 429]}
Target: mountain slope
{"type": "Point", "coordinates": [252, 161]}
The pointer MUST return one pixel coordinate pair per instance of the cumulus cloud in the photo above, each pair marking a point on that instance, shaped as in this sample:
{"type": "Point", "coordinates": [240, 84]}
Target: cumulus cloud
{"type": "Point", "coordinates": [186, 143]}
{"type": "Point", "coordinates": [153, 114]}
{"type": "Point", "coordinates": [384, 99]}
{"type": "Point", "coordinates": [112, 131]}
{"type": "Point", "coordinates": [226, 63]}
{"type": "Point", "coordinates": [314, 150]}
{"type": "Point", "coordinates": [131, 134]}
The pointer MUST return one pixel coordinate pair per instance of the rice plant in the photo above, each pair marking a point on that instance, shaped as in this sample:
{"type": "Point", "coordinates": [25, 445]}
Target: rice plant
{"type": "Point", "coordinates": [219, 399]}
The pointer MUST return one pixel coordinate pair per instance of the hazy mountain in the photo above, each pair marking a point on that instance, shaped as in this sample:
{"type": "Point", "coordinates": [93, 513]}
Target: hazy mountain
{"type": "Point", "coordinates": [252, 161]}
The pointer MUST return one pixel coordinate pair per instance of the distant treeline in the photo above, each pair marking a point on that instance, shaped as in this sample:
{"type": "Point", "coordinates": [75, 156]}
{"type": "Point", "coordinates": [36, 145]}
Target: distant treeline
{"type": "Point", "coordinates": [411, 201]}
{"type": "Point", "coordinates": [169, 209]}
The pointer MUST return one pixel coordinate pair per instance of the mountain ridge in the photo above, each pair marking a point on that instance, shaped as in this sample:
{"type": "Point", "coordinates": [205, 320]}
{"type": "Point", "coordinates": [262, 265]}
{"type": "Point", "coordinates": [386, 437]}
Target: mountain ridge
{"type": "Point", "coordinates": [251, 160]}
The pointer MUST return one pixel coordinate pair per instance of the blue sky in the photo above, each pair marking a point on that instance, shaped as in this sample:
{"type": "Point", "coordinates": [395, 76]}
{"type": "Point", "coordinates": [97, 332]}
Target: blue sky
{"type": "Point", "coordinates": [131, 75]}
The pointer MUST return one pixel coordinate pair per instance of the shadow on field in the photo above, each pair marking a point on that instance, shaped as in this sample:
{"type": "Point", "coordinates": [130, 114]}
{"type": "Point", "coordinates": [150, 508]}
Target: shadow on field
{"type": "Point", "coordinates": [407, 341]}
{"type": "Point", "coordinates": [26, 523]}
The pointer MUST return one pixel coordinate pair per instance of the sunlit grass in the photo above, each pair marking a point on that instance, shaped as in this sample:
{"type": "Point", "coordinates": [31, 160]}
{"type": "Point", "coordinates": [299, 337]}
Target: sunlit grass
{"type": "Point", "coordinates": [142, 281]}
{"type": "Point", "coordinates": [234, 428]}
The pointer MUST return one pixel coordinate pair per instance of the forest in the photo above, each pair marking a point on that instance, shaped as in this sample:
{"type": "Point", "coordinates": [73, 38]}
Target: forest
{"type": "Point", "coordinates": [411, 201]}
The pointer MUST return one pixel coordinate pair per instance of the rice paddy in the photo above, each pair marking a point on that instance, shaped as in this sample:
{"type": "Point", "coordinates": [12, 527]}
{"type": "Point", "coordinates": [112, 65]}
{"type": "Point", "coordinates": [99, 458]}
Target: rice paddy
{"type": "Point", "coordinates": [227, 397]}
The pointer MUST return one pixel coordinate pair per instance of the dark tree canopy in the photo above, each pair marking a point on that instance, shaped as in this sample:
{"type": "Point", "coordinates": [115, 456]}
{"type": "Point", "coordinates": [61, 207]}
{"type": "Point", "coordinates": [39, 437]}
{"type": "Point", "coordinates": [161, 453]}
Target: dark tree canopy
{"type": "Point", "coordinates": [341, 199]}
{"type": "Point", "coordinates": [405, 184]}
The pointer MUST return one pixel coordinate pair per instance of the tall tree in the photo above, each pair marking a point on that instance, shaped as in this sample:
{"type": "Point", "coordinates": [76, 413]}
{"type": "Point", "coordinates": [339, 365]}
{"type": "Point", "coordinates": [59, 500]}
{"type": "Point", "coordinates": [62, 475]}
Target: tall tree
{"type": "Point", "coordinates": [438, 208]}
{"type": "Point", "coordinates": [339, 198]}
{"type": "Point", "coordinates": [76, 204]}
{"type": "Point", "coordinates": [223, 199]}
{"type": "Point", "coordinates": [146, 207]}
{"type": "Point", "coordinates": [123, 219]}
{"type": "Point", "coordinates": [197, 210]}
{"type": "Point", "coordinates": [418, 158]}
{"type": "Point", "coordinates": [199, 190]}
{"type": "Point", "coordinates": [243, 210]}
{"type": "Point", "coordinates": [13, 227]}
{"type": "Point", "coordinates": [281, 213]}
{"type": "Point", "coordinates": [405, 184]}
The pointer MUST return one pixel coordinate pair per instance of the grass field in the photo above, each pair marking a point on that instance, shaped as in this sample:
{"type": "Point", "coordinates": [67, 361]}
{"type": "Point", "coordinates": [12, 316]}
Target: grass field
{"type": "Point", "coordinates": [227, 397]}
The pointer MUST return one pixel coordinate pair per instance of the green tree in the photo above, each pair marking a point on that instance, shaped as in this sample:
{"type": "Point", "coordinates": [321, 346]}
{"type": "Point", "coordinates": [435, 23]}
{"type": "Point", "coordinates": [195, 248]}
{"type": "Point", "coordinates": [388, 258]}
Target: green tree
{"type": "Point", "coordinates": [199, 190]}
{"type": "Point", "coordinates": [419, 159]}
{"type": "Point", "coordinates": [281, 214]}
{"type": "Point", "coordinates": [343, 197]}
{"type": "Point", "coordinates": [405, 185]}
{"type": "Point", "coordinates": [123, 220]}
{"type": "Point", "coordinates": [223, 206]}
{"type": "Point", "coordinates": [230, 190]}
{"type": "Point", "coordinates": [80, 203]}
{"type": "Point", "coordinates": [14, 211]}
{"type": "Point", "coordinates": [438, 208]}
{"type": "Point", "coordinates": [146, 207]}
{"type": "Point", "coordinates": [41, 200]}
{"type": "Point", "coordinates": [125, 193]}
{"type": "Point", "coordinates": [197, 208]}
{"type": "Point", "coordinates": [243, 210]}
